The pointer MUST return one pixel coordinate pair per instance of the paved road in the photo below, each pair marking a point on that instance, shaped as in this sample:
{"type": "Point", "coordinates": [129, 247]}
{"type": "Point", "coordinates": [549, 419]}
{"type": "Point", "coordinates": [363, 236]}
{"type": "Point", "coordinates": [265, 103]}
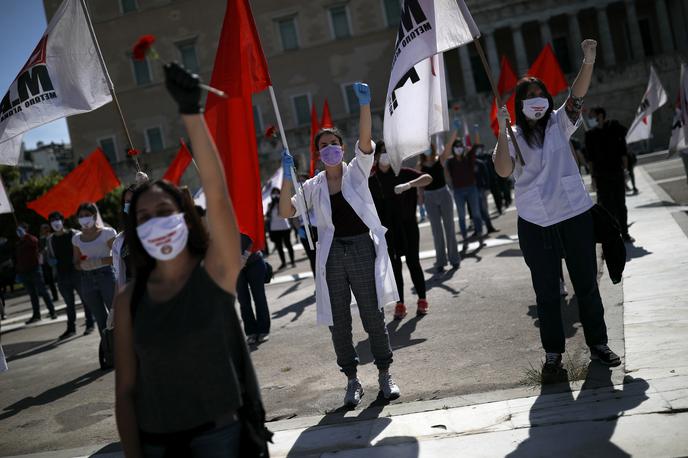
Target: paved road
{"type": "Point", "coordinates": [481, 335]}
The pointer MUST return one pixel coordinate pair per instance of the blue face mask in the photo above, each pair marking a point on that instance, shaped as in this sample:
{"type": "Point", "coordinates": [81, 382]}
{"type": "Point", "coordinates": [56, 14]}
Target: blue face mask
{"type": "Point", "coordinates": [126, 207]}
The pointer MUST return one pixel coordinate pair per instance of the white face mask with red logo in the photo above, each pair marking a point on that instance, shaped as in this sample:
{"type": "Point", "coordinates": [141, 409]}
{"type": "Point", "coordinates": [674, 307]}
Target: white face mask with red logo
{"type": "Point", "coordinates": [164, 237]}
{"type": "Point", "coordinates": [535, 108]}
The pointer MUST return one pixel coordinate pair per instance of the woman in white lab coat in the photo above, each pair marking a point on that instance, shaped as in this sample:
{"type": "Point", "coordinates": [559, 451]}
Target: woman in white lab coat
{"type": "Point", "coordinates": [352, 252]}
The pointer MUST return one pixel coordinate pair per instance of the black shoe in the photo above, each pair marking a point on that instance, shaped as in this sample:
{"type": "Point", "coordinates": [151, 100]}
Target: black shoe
{"type": "Point", "coordinates": [88, 330]}
{"type": "Point", "coordinates": [282, 266]}
{"type": "Point", "coordinates": [53, 316]}
{"type": "Point", "coordinates": [627, 238]}
{"type": "Point", "coordinates": [553, 371]}
{"type": "Point", "coordinates": [33, 319]}
{"type": "Point", "coordinates": [492, 230]}
{"type": "Point", "coordinates": [604, 355]}
{"type": "Point", "coordinates": [67, 334]}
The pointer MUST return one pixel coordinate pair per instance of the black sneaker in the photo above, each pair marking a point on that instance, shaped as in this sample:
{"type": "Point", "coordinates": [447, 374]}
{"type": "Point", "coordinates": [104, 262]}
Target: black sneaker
{"type": "Point", "coordinates": [53, 316]}
{"type": "Point", "coordinates": [88, 330]}
{"type": "Point", "coordinates": [603, 354]}
{"type": "Point", "coordinates": [67, 334]}
{"type": "Point", "coordinates": [553, 370]}
{"type": "Point", "coordinates": [33, 319]}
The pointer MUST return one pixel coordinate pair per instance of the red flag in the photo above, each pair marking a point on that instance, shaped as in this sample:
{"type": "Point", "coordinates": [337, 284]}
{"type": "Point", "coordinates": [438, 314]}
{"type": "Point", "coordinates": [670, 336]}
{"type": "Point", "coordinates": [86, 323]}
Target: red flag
{"type": "Point", "coordinates": [240, 70]}
{"type": "Point", "coordinates": [506, 85]}
{"type": "Point", "coordinates": [314, 148]}
{"type": "Point", "coordinates": [178, 166]}
{"type": "Point", "coordinates": [90, 181]}
{"type": "Point", "coordinates": [546, 67]}
{"type": "Point", "coordinates": [326, 122]}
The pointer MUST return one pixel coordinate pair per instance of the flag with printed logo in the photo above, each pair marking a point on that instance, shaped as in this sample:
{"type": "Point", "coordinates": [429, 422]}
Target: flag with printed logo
{"type": "Point", "coordinates": [63, 76]}
{"type": "Point", "coordinates": [679, 128]}
{"type": "Point", "coordinates": [655, 96]}
{"type": "Point", "coordinates": [416, 107]}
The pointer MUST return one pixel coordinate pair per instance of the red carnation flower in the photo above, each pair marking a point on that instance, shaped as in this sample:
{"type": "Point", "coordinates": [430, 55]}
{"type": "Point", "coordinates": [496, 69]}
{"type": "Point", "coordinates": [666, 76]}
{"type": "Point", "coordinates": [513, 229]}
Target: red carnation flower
{"type": "Point", "coordinates": [133, 152]}
{"type": "Point", "coordinates": [142, 46]}
{"type": "Point", "coordinates": [271, 132]}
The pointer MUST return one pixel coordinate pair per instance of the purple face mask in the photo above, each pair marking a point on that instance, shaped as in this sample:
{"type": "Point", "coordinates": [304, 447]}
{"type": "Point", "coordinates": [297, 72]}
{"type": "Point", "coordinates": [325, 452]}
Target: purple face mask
{"type": "Point", "coordinates": [331, 155]}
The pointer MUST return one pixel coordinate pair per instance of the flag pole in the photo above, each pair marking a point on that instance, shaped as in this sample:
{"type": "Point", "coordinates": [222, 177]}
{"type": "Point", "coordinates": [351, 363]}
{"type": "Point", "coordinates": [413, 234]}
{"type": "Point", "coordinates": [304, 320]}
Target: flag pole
{"type": "Point", "coordinates": [498, 97]}
{"type": "Point", "coordinates": [294, 178]}
{"type": "Point", "coordinates": [109, 82]}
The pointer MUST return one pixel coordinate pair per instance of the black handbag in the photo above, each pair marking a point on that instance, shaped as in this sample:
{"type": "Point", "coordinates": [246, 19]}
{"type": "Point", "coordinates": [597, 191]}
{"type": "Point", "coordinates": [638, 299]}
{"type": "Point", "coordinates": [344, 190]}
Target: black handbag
{"type": "Point", "coordinates": [106, 350]}
{"type": "Point", "coordinates": [269, 272]}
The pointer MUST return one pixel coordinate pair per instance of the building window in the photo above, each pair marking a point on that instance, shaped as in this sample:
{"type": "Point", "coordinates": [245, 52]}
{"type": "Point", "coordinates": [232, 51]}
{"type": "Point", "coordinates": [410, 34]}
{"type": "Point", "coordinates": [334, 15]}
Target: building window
{"type": "Point", "coordinates": [392, 12]}
{"type": "Point", "coordinates": [302, 109]}
{"type": "Point", "coordinates": [154, 140]}
{"type": "Point", "coordinates": [352, 105]}
{"type": "Point", "coordinates": [187, 52]}
{"type": "Point", "coordinates": [257, 119]}
{"type": "Point", "coordinates": [128, 6]}
{"type": "Point", "coordinates": [340, 22]}
{"type": "Point", "coordinates": [142, 73]}
{"type": "Point", "coordinates": [561, 50]}
{"type": "Point", "coordinates": [482, 82]}
{"type": "Point", "coordinates": [646, 36]}
{"type": "Point", "coordinates": [287, 30]}
{"type": "Point", "coordinates": [107, 144]}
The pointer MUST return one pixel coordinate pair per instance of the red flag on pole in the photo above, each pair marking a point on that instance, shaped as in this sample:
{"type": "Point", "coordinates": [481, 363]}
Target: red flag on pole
{"type": "Point", "coordinates": [240, 70]}
{"type": "Point", "coordinates": [90, 181]}
{"type": "Point", "coordinates": [178, 166]}
{"type": "Point", "coordinates": [506, 85]}
{"type": "Point", "coordinates": [314, 148]}
{"type": "Point", "coordinates": [546, 67]}
{"type": "Point", "coordinates": [326, 122]}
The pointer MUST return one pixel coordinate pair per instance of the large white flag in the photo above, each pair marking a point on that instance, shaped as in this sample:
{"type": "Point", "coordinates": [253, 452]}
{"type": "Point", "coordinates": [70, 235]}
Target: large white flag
{"type": "Point", "coordinates": [679, 128]}
{"type": "Point", "coordinates": [274, 182]}
{"type": "Point", "coordinates": [5, 204]}
{"type": "Point", "coordinates": [655, 96]}
{"type": "Point", "coordinates": [62, 77]}
{"type": "Point", "coordinates": [416, 95]}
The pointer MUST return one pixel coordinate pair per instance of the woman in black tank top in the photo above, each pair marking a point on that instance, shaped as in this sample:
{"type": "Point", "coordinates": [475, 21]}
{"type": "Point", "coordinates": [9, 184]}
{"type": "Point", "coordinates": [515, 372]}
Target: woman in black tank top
{"type": "Point", "coordinates": [185, 384]}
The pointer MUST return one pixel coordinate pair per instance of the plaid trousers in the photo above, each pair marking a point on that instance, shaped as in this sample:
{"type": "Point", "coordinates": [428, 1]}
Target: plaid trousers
{"type": "Point", "coordinates": [351, 267]}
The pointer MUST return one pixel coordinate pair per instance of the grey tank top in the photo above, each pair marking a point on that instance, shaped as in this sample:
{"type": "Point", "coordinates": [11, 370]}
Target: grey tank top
{"type": "Point", "coordinates": [189, 359]}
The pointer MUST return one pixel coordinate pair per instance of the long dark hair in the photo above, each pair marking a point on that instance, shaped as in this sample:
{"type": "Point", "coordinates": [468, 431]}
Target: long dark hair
{"type": "Point", "coordinates": [123, 217]}
{"type": "Point", "coordinates": [197, 243]}
{"type": "Point", "coordinates": [534, 134]}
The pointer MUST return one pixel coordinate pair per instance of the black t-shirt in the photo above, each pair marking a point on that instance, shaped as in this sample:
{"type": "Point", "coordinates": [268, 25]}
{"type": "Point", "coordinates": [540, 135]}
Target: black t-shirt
{"type": "Point", "coordinates": [345, 220]}
{"type": "Point", "coordinates": [436, 171]}
{"type": "Point", "coordinates": [391, 206]}
{"type": "Point", "coordinates": [606, 147]}
{"type": "Point", "coordinates": [63, 250]}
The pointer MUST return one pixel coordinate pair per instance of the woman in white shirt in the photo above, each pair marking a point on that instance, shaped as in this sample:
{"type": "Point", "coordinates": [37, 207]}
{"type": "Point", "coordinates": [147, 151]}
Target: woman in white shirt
{"type": "Point", "coordinates": [351, 254]}
{"type": "Point", "coordinates": [93, 257]}
{"type": "Point", "coordinates": [279, 230]}
{"type": "Point", "coordinates": [554, 212]}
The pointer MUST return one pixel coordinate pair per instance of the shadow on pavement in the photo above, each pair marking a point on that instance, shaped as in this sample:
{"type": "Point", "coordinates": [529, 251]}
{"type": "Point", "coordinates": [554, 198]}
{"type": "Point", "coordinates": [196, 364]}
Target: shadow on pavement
{"type": "Point", "coordinates": [561, 430]}
{"type": "Point", "coordinates": [633, 252]}
{"type": "Point", "coordinates": [22, 350]}
{"type": "Point", "coordinates": [438, 280]}
{"type": "Point", "coordinates": [290, 290]}
{"type": "Point", "coordinates": [399, 337]}
{"type": "Point", "coordinates": [51, 395]}
{"type": "Point", "coordinates": [309, 443]}
{"type": "Point", "coordinates": [662, 203]}
{"type": "Point", "coordinates": [296, 308]}
{"type": "Point", "coordinates": [569, 314]}
{"type": "Point", "coordinates": [511, 253]}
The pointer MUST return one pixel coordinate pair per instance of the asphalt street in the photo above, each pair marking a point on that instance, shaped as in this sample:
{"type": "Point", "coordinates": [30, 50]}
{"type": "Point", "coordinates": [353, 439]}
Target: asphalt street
{"type": "Point", "coordinates": [481, 335]}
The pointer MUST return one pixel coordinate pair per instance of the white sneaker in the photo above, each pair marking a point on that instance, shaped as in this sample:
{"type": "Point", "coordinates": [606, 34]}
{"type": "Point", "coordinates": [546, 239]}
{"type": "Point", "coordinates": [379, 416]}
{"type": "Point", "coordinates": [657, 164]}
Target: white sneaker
{"type": "Point", "coordinates": [389, 389]}
{"type": "Point", "coordinates": [562, 288]}
{"type": "Point", "coordinates": [354, 393]}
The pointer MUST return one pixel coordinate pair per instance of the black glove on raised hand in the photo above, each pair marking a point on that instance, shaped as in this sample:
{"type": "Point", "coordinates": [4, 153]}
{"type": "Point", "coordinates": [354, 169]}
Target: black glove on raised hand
{"type": "Point", "coordinates": [184, 88]}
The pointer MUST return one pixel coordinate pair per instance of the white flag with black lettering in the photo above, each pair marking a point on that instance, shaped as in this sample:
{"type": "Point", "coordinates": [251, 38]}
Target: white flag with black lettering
{"type": "Point", "coordinates": [655, 96]}
{"type": "Point", "coordinates": [62, 77]}
{"type": "Point", "coordinates": [5, 204]}
{"type": "Point", "coordinates": [416, 95]}
{"type": "Point", "coordinates": [679, 128]}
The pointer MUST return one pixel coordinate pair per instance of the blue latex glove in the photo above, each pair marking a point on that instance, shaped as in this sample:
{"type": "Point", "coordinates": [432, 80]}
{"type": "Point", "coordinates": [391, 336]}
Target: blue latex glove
{"type": "Point", "coordinates": [302, 232]}
{"type": "Point", "coordinates": [287, 164]}
{"type": "Point", "coordinates": [456, 124]}
{"type": "Point", "coordinates": [362, 91]}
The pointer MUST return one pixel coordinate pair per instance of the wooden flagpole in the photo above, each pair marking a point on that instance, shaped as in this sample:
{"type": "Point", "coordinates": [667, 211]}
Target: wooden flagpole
{"type": "Point", "coordinates": [294, 177]}
{"type": "Point", "coordinates": [498, 96]}
{"type": "Point", "coordinates": [109, 83]}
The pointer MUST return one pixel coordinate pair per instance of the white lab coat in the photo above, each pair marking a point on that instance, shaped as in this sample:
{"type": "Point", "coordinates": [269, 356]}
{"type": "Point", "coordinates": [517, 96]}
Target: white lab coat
{"type": "Point", "coordinates": [356, 192]}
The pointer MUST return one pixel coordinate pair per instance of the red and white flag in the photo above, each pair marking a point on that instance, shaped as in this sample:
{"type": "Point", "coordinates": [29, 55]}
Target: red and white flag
{"type": "Point", "coordinates": [416, 104]}
{"type": "Point", "coordinates": [655, 96]}
{"type": "Point", "coordinates": [63, 76]}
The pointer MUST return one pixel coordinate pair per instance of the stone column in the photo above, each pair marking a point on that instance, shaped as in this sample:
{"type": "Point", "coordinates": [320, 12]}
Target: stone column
{"type": "Point", "coordinates": [575, 38]}
{"type": "Point", "coordinates": [545, 32]}
{"type": "Point", "coordinates": [491, 51]}
{"type": "Point", "coordinates": [664, 25]}
{"type": "Point", "coordinates": [605, 37]}
{"type": "Point", "coordinates": [638, 51]}
{"type": "Point", "coordinates": [520, 48]}
{"type": "Point", "coordinates": [467, 72]}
